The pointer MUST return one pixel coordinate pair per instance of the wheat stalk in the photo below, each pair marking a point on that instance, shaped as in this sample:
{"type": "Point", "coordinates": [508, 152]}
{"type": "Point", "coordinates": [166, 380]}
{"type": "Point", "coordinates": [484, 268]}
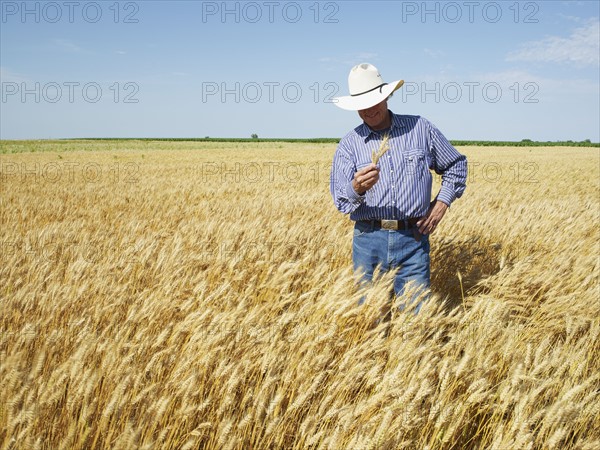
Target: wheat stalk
{"type": "Point", "coordinates": [225, 325]}
{"type": "Point", "coordinates": [383, 147]}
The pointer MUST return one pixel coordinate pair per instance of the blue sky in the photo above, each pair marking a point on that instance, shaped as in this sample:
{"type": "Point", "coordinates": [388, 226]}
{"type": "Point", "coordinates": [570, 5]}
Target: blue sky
{"type": "Point", "coordinates": [478, 70]}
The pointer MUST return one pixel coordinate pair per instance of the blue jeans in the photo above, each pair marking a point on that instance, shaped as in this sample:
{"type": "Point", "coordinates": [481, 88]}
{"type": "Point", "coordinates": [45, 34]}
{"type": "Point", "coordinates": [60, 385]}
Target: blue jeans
{"type": "Point", "coordinates": [392, 249]}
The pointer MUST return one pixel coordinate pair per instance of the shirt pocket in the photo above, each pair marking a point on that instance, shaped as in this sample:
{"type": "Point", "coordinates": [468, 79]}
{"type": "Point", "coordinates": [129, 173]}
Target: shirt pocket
{"type": "Point", "coordinates": [415, 163]}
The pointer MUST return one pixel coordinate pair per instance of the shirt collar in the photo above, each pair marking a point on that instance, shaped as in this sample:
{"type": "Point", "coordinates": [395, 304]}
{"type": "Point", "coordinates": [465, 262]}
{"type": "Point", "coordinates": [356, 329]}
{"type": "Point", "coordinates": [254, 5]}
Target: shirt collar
{"type": "Point", "coordinates": [397, 122]}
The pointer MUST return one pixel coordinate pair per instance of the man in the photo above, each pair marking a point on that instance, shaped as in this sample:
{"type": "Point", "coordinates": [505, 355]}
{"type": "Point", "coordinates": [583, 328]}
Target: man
{"type": "Point", "coordinates": [390, 200]}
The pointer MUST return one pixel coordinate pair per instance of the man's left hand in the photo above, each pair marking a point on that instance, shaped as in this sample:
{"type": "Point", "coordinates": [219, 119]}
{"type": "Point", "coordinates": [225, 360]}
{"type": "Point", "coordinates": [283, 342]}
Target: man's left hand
{"type": "Point", "coordinates": [429, 223]}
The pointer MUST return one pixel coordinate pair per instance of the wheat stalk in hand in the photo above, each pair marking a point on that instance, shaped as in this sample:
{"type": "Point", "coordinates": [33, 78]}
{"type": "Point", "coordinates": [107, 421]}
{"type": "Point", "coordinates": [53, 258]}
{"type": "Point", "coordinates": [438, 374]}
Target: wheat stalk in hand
{"type": "Point", "coordinates": [383, 147]}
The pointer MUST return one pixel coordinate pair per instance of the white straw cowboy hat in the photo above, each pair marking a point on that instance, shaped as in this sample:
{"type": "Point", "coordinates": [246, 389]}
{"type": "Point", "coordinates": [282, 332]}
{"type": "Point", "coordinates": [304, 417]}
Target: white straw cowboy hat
{"type": "Point", "coordinates": [367, 88]}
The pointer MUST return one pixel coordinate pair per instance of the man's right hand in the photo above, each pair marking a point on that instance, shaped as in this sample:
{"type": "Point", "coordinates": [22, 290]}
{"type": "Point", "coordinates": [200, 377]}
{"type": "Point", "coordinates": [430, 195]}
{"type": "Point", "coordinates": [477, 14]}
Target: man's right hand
{"type": "Point", "coordinates": [365, 179]}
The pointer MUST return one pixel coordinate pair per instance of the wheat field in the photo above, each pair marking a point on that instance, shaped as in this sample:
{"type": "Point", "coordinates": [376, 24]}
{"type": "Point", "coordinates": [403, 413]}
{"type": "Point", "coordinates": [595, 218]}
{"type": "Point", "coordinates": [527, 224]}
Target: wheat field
{"type": "Point", "coordinates": [193, 295]}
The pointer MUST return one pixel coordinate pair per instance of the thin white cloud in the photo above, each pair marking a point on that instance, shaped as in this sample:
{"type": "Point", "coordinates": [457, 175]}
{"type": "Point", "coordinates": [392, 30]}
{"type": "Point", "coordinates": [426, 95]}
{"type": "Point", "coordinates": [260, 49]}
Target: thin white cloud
{"type": "Point", "coordinates": [348, 60]}
{"type": "Point", "coordinates": [67, 45]}
{"type": "Point", "coordinates": [8, 76]}
{"type": "Point", "coordinates": [433, 53]}
{"type": "Point", "coordinates": [581, 48]}
{"type": "Point", "coordinates": [575, 19]}
{"type": "Point", "coordinates": [512, 82]}
{"type": "Point", "coordinates": [572, 3]}
{"type": "Point", "coordinates": [121, 52]}
{"type": "Point", "coordinates": [515, 80]}
{"type": "Point", "coordinates": [367, 56]}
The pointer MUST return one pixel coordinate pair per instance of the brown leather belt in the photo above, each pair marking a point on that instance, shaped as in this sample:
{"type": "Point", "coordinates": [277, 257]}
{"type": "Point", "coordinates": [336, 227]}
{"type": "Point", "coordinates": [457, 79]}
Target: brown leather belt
{"type": "Point", "coordinates": [406, 224]}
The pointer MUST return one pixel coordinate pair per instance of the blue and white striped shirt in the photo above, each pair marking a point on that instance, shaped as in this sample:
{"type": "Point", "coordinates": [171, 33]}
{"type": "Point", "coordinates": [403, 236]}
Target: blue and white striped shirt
{"type": "Point", "coordinates": [403, 191]}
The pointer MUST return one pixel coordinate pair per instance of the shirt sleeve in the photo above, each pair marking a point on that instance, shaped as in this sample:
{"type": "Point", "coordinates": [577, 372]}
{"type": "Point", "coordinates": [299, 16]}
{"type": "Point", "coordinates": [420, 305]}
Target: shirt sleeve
{"type": "Point", "coordinates": [345, 198]}
{"type": "Point", "coordinates": [448, 163]}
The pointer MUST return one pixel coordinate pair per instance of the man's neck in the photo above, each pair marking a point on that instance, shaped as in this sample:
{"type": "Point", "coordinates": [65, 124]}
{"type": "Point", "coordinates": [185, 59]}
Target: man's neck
{"type": "Point", "coordinates": [386, 125]}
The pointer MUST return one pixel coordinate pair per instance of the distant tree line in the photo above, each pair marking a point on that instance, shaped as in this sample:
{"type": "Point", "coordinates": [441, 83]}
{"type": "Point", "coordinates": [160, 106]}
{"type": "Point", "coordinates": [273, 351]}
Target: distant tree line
{"type": "Point", "coordinates": [255, 138]}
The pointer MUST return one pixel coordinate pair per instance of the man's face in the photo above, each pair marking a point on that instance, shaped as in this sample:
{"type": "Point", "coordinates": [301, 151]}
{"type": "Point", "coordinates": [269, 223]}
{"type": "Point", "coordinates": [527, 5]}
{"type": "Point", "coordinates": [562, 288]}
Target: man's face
{"type": "Point", "coordinates": [377, 116]}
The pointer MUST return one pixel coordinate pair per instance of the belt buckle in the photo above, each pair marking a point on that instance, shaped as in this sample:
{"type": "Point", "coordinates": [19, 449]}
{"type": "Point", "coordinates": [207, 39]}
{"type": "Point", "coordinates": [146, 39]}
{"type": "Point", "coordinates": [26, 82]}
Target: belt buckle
{"type": "Point", "coordinates": [389, 224]}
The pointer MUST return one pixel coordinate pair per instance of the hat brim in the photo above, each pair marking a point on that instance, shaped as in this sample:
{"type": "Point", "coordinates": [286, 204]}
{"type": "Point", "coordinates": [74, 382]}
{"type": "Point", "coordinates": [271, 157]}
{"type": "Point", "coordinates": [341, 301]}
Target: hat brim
{"type": "Point", "coordinates": [365, 101]}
